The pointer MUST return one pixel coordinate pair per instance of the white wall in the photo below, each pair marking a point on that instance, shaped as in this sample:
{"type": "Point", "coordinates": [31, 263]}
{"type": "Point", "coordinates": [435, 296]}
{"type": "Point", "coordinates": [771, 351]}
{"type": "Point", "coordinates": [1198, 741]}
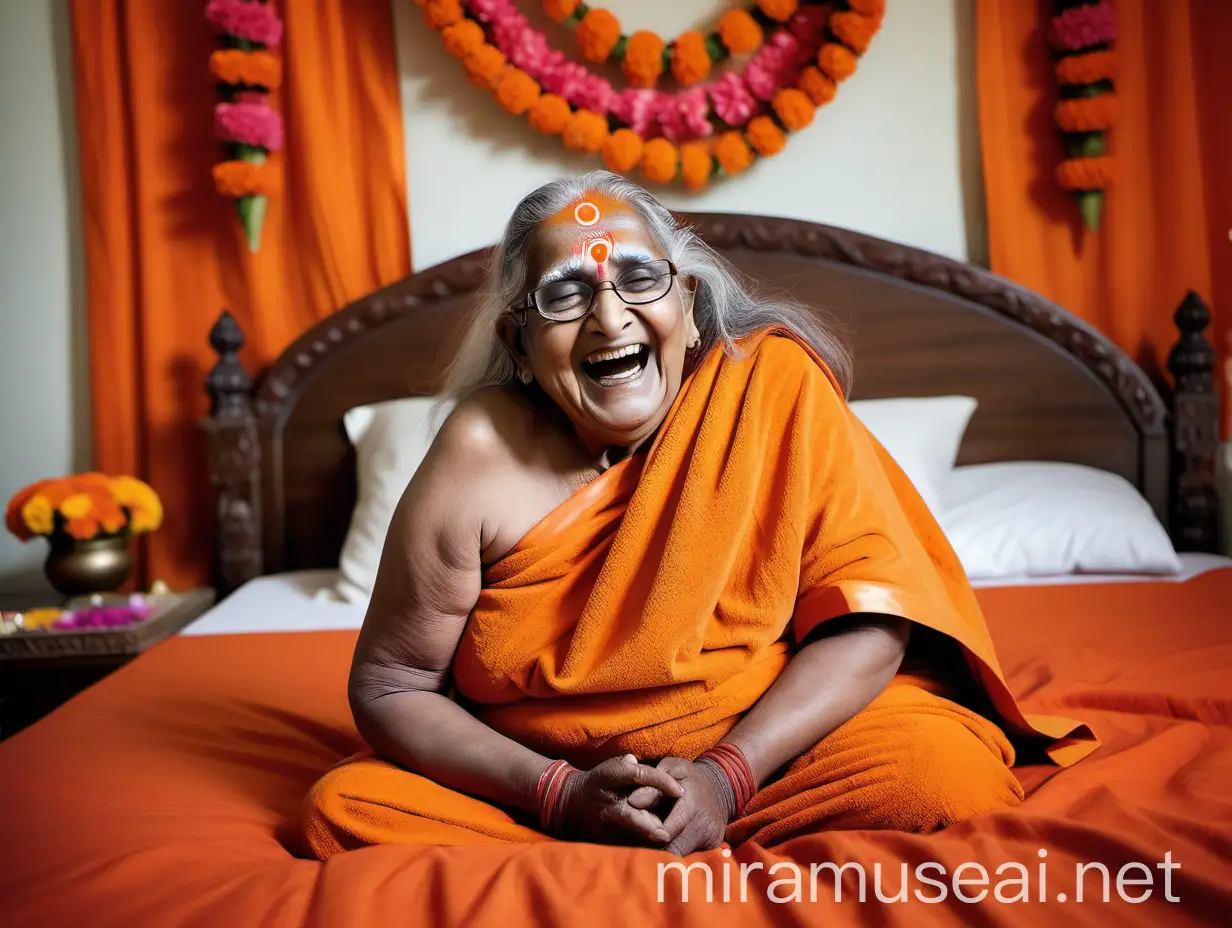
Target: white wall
{"type": "Point", "coordinates": [896, 154]}
{"type": "Point", "coordinates": [43, 407]}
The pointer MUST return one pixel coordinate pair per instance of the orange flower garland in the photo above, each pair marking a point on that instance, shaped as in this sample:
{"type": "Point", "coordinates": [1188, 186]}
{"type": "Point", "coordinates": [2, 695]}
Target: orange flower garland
{"type": "Point", "coordinates": [253, 69]}
{"type": "Point", "coordinates": [696, 165]}
{"type": "Point", "coordinates": [245, 178]}
{"type": "Point", "coordinates": [1087, 114]}
{"type": "Point", "coordinates": [690, 59]}
{"type": "Point", "coordinates": [1086, 173]}
{"type": "Point", "coordinates": [597, 35]}
{"type": "Point", "coordinates": [1087, 69]}
{"type": "Point", "coordinates": [659, 160]}
{"type": "Point", "coordinates": [644, 56]}
{"type": "Point", "coordinates": [740, 32]}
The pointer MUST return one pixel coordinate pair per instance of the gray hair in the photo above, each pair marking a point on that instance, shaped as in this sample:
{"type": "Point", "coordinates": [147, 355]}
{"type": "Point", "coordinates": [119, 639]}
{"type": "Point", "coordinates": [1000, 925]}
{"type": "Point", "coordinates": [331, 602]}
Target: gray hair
{"type": "Point", "coordinates": [726, 306]}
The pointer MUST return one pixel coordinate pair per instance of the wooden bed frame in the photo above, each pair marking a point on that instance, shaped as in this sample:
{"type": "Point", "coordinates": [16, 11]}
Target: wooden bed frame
{"type": "Point", "coordinates": [1050, 387]}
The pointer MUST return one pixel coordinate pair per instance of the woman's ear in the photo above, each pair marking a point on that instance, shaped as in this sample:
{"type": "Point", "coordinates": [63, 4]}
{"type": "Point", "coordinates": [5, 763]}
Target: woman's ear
{"type": "Point", "coordinates": [688, 292]}
{"type": "Point", "coordinates": [511, 334]}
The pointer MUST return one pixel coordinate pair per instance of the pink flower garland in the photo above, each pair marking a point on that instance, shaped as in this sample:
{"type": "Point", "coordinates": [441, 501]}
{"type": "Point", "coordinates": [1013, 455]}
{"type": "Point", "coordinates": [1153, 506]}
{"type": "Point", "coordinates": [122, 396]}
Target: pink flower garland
{"type": "Point", "coordinates": [253, 22]}
{"type": "Point", "coordinates": [249, 124]}
{"type": "Point", "coordinates": [1081, 27]}
{"type": "Point", "coordinates": [679, 117]}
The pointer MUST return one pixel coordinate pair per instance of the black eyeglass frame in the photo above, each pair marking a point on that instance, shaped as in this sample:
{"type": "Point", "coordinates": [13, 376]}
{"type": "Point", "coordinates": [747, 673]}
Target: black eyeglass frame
{"type": "Point", "coordinates": [519, 310]}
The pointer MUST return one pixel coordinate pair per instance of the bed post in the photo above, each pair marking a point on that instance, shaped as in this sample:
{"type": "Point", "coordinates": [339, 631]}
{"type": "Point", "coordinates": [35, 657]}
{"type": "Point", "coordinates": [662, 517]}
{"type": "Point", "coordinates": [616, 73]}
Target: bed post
{"type": "Point", "coordinates": [235, 461]}
{"type": "Point", "coordinates": [1194, 509]}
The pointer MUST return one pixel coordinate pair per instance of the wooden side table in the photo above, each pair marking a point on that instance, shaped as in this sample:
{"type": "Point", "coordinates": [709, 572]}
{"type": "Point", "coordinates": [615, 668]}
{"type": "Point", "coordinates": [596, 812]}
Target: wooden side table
{"type": "Point", "coordinates": [41, 670]}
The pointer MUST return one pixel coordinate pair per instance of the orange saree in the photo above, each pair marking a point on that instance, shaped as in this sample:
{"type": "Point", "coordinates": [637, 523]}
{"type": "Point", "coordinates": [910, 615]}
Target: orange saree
{"type": "Point", "coordinates": [653, 608]}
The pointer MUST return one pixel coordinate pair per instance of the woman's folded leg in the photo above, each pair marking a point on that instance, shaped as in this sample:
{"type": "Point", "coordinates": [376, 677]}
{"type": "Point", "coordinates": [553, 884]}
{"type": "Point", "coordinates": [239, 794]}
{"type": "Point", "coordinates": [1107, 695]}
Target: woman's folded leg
{"type": "Point", "coordinates": [366, 801]}
{"type": "Point", "coordinates": [911, 761]}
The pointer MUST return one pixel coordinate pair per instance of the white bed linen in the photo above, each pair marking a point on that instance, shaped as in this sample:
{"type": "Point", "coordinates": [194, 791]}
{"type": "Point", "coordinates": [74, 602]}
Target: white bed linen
{"type": "Point", "coordinates": [297, 601]}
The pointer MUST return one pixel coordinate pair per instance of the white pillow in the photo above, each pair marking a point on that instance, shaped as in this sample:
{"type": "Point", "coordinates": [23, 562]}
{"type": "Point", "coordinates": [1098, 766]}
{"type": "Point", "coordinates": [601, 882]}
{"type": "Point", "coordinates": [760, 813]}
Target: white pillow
{"type": "Point", "coordinates": [1030, 519]}
{"type": "Point", "coordinates": [391, 440]}
{"type": "Point", "coordinates": [922, 434]}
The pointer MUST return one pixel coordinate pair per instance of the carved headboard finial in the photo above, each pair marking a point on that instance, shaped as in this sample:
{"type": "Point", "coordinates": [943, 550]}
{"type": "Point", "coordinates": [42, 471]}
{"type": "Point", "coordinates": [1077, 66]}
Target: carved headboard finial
{"type": "Point", "coordinates": [235, 461]}
{"type": "Point", "coordinates": [228, 384]}
{"type": "Point", "coordinates": [1195, 422]}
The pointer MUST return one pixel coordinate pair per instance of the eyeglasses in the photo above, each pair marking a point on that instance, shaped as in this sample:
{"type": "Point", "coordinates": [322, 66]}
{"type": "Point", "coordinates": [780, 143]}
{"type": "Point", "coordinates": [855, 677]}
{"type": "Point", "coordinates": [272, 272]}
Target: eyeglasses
{"type": "Point", "coordinates": [570, 300]}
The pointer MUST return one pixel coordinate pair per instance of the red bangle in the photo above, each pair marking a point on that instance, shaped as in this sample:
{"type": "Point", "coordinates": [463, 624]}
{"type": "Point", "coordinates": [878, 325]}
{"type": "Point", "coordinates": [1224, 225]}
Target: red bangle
{"type": "Point", "coordinates": [548, 794]}
{"type": "Point", "coordinates": [735, 767]}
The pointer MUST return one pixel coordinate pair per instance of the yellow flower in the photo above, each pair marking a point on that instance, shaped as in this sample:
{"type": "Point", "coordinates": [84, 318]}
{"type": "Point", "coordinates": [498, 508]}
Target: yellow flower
{"type": "Point", "coordinates": [40, 618]}
{"type": "Point", "coordinates": [76, 506]}
{"type": "Point", "coordinates": [144, 507]}
{"type": "Point", "coordinates": [38, 515]}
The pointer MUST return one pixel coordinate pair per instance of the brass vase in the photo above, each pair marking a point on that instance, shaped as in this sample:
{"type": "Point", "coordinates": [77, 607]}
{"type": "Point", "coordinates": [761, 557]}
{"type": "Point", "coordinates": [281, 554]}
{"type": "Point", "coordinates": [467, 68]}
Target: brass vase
{"type": "Point", "coordinates": [95, 565]}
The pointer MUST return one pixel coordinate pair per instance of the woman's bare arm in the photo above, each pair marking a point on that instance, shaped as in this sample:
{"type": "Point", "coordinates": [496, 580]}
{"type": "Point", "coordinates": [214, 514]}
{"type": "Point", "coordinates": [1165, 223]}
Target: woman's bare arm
{"type": "Point", "coordinates": [427, 584]}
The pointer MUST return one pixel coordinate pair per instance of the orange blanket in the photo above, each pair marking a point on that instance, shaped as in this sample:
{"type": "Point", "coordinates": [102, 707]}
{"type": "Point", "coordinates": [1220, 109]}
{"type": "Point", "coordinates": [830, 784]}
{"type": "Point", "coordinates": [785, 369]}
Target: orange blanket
{"type": "Point", "coordinates": [155, 798]}
{"type": "Point", "coordinates": [650, 610]}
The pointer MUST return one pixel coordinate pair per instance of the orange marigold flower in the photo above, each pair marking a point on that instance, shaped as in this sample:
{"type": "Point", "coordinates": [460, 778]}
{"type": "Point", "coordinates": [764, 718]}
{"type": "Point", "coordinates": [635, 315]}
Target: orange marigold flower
{"type": "Point", "coordinates": [1086, 173]}
{"type": "Point", "coordinates": [855, 31]}
{"type": "Point", "coordinates": [837, 61]}
{"type": "Point", "coordinates": [732, 152]}
{"type": "Point", "coordinates": [585, 131]}
{"type": "Point", "coordinates": [659, 160]}
{"type": "Point", "coordinates": [643, 58]}
{"type": "Point", "coordinates": [550, 114]}
{"type": "Point", "coordinates": [821, 89]}
{"type": "Point", "coordinates": [793, 108]}
{"type": "Point", "coordinates": [484, 66]}
{"type": "Point", "coordinates": [597, 35]}
{"type": "Point", "coordinates": [38, 516]}
{"type": "Point", "coordinates": [1088, 68]}
{"type": "Point", "coordinates": [243, 178]}
{"type": "Point", "coordinates": [1087, 114]}
{"type": "Point", "coordinates": [690, 60]}
{"type": "Point", "coordinates": [868, 7]}
{"type": "Point", "coordinates": [516, 90]}
{"type": "Point", "coordinates": [560, 10]}
{"type": "Point", "coordinates": [739, 32]}
{"type": "Point", "coordinates": [622, 150]}
{"type": "Point", "coordinates": [82, 529]}
{"type": "Point", "coordinates": [256, 69]}
{"type": "Point", "coordinates": [779, 9]}
{"type": "Point", "coordinates": [696, 165]}
{"type": "Point", "coordinates": [765, 136]}
{"type": "Point", "coordinates": [442, 13]}
{"type": "Point", "coordinates": [12, 512]}
{"type": "Point", "coordinates": [463, 38]}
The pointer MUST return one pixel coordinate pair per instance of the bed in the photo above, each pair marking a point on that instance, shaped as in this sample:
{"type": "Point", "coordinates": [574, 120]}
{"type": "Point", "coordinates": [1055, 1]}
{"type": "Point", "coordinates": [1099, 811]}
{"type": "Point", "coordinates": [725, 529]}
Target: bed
{"type": "Point", "coordinates": [158, 796]}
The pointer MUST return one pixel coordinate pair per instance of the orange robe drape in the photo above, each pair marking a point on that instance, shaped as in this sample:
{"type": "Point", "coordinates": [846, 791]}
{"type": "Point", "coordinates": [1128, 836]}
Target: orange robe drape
{"type": "Point", "coordinates": [1168, 214]}
{"type": "Point", "coordinates": [165, 253]}
{"type": "Point", "coordinates": [648, 612]}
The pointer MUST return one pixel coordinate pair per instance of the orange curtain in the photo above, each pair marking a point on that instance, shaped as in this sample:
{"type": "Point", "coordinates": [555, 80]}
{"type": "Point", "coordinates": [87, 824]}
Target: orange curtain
{"type": "Point", "coordinates": [1167, 216]}
{"type": "Point", "coordinates": [165, 253]}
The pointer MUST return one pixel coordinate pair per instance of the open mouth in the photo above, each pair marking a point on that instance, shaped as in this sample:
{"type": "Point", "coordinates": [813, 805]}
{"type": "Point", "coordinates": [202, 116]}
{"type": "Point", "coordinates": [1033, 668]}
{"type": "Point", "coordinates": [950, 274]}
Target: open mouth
{"type": "Point", "coordinates": [611, 367]}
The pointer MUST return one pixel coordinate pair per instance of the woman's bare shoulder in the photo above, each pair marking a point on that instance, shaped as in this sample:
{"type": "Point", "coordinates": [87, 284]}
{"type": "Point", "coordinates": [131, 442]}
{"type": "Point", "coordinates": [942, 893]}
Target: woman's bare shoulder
{"type": "Point", "coordinates": [489, 427]}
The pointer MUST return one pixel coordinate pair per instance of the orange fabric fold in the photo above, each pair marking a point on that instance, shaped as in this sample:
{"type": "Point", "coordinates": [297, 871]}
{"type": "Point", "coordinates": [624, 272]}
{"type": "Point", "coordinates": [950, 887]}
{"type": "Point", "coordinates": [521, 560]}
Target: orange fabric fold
{"type": "Point", "coordinates": [648, 612]}
{"type": "Point", "coordinates": [165, 253]}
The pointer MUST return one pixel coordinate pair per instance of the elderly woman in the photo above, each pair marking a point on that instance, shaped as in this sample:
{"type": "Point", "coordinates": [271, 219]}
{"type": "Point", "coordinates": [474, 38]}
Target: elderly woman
{"type": "Point", "coordinates": [655, 584]}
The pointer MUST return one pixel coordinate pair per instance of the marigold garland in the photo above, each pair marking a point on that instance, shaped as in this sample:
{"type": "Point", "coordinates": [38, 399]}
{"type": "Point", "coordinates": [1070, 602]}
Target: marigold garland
{"type": "Point", "coordinates": [659, 160]}
{"type": "Point", "coordinates": [643, 58]}
{"type": "Point", "coordinates": [1082, 33]}
{"type": "Point", "coordinates": [1086, 174]}
{"type": "Point", "coordinates": [778, 92]}
{"type": "Point", "coordinates": [696, 165]}
{"type": "Point", "coordinates": [690, 59]}
{"type": "Point", "coordinates": [1090, 68]}
{"type": "Point", "coordinates": [1087, 114]}
{"type": "Point", "coordinates": [251, 69]}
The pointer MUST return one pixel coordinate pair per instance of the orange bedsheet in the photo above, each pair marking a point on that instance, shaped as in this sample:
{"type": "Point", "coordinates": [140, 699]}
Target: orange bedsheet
{"type": "Point", "coordinates": [156, 797]}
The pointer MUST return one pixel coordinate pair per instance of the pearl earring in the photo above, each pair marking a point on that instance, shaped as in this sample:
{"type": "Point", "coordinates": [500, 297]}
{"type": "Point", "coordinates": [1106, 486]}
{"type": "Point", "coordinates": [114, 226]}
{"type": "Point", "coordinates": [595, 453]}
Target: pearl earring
{"type": "Point", "coordinates": [526, 376]}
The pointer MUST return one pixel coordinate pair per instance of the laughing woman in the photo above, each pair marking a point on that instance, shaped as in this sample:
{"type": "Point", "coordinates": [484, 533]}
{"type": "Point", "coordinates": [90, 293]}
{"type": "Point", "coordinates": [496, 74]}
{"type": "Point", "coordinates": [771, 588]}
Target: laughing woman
{"type": "Point", "coordinates": [655, 584]}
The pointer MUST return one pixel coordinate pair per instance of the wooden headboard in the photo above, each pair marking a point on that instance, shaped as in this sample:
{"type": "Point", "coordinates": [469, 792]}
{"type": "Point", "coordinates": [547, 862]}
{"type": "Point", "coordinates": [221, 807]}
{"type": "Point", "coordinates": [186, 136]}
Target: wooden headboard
{"type": "Point", "coordinates": [1050, 387]}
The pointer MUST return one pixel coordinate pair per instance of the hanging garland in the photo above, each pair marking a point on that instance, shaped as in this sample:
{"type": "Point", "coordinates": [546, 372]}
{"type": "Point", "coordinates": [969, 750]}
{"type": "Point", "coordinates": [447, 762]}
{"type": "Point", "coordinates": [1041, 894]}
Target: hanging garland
{"type": "Point", "coordinates": [696, 133]}
{"type": "Point", "coordinates": [1082, 34]}
{"type": "Point", "coordinates": [244, 121]}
